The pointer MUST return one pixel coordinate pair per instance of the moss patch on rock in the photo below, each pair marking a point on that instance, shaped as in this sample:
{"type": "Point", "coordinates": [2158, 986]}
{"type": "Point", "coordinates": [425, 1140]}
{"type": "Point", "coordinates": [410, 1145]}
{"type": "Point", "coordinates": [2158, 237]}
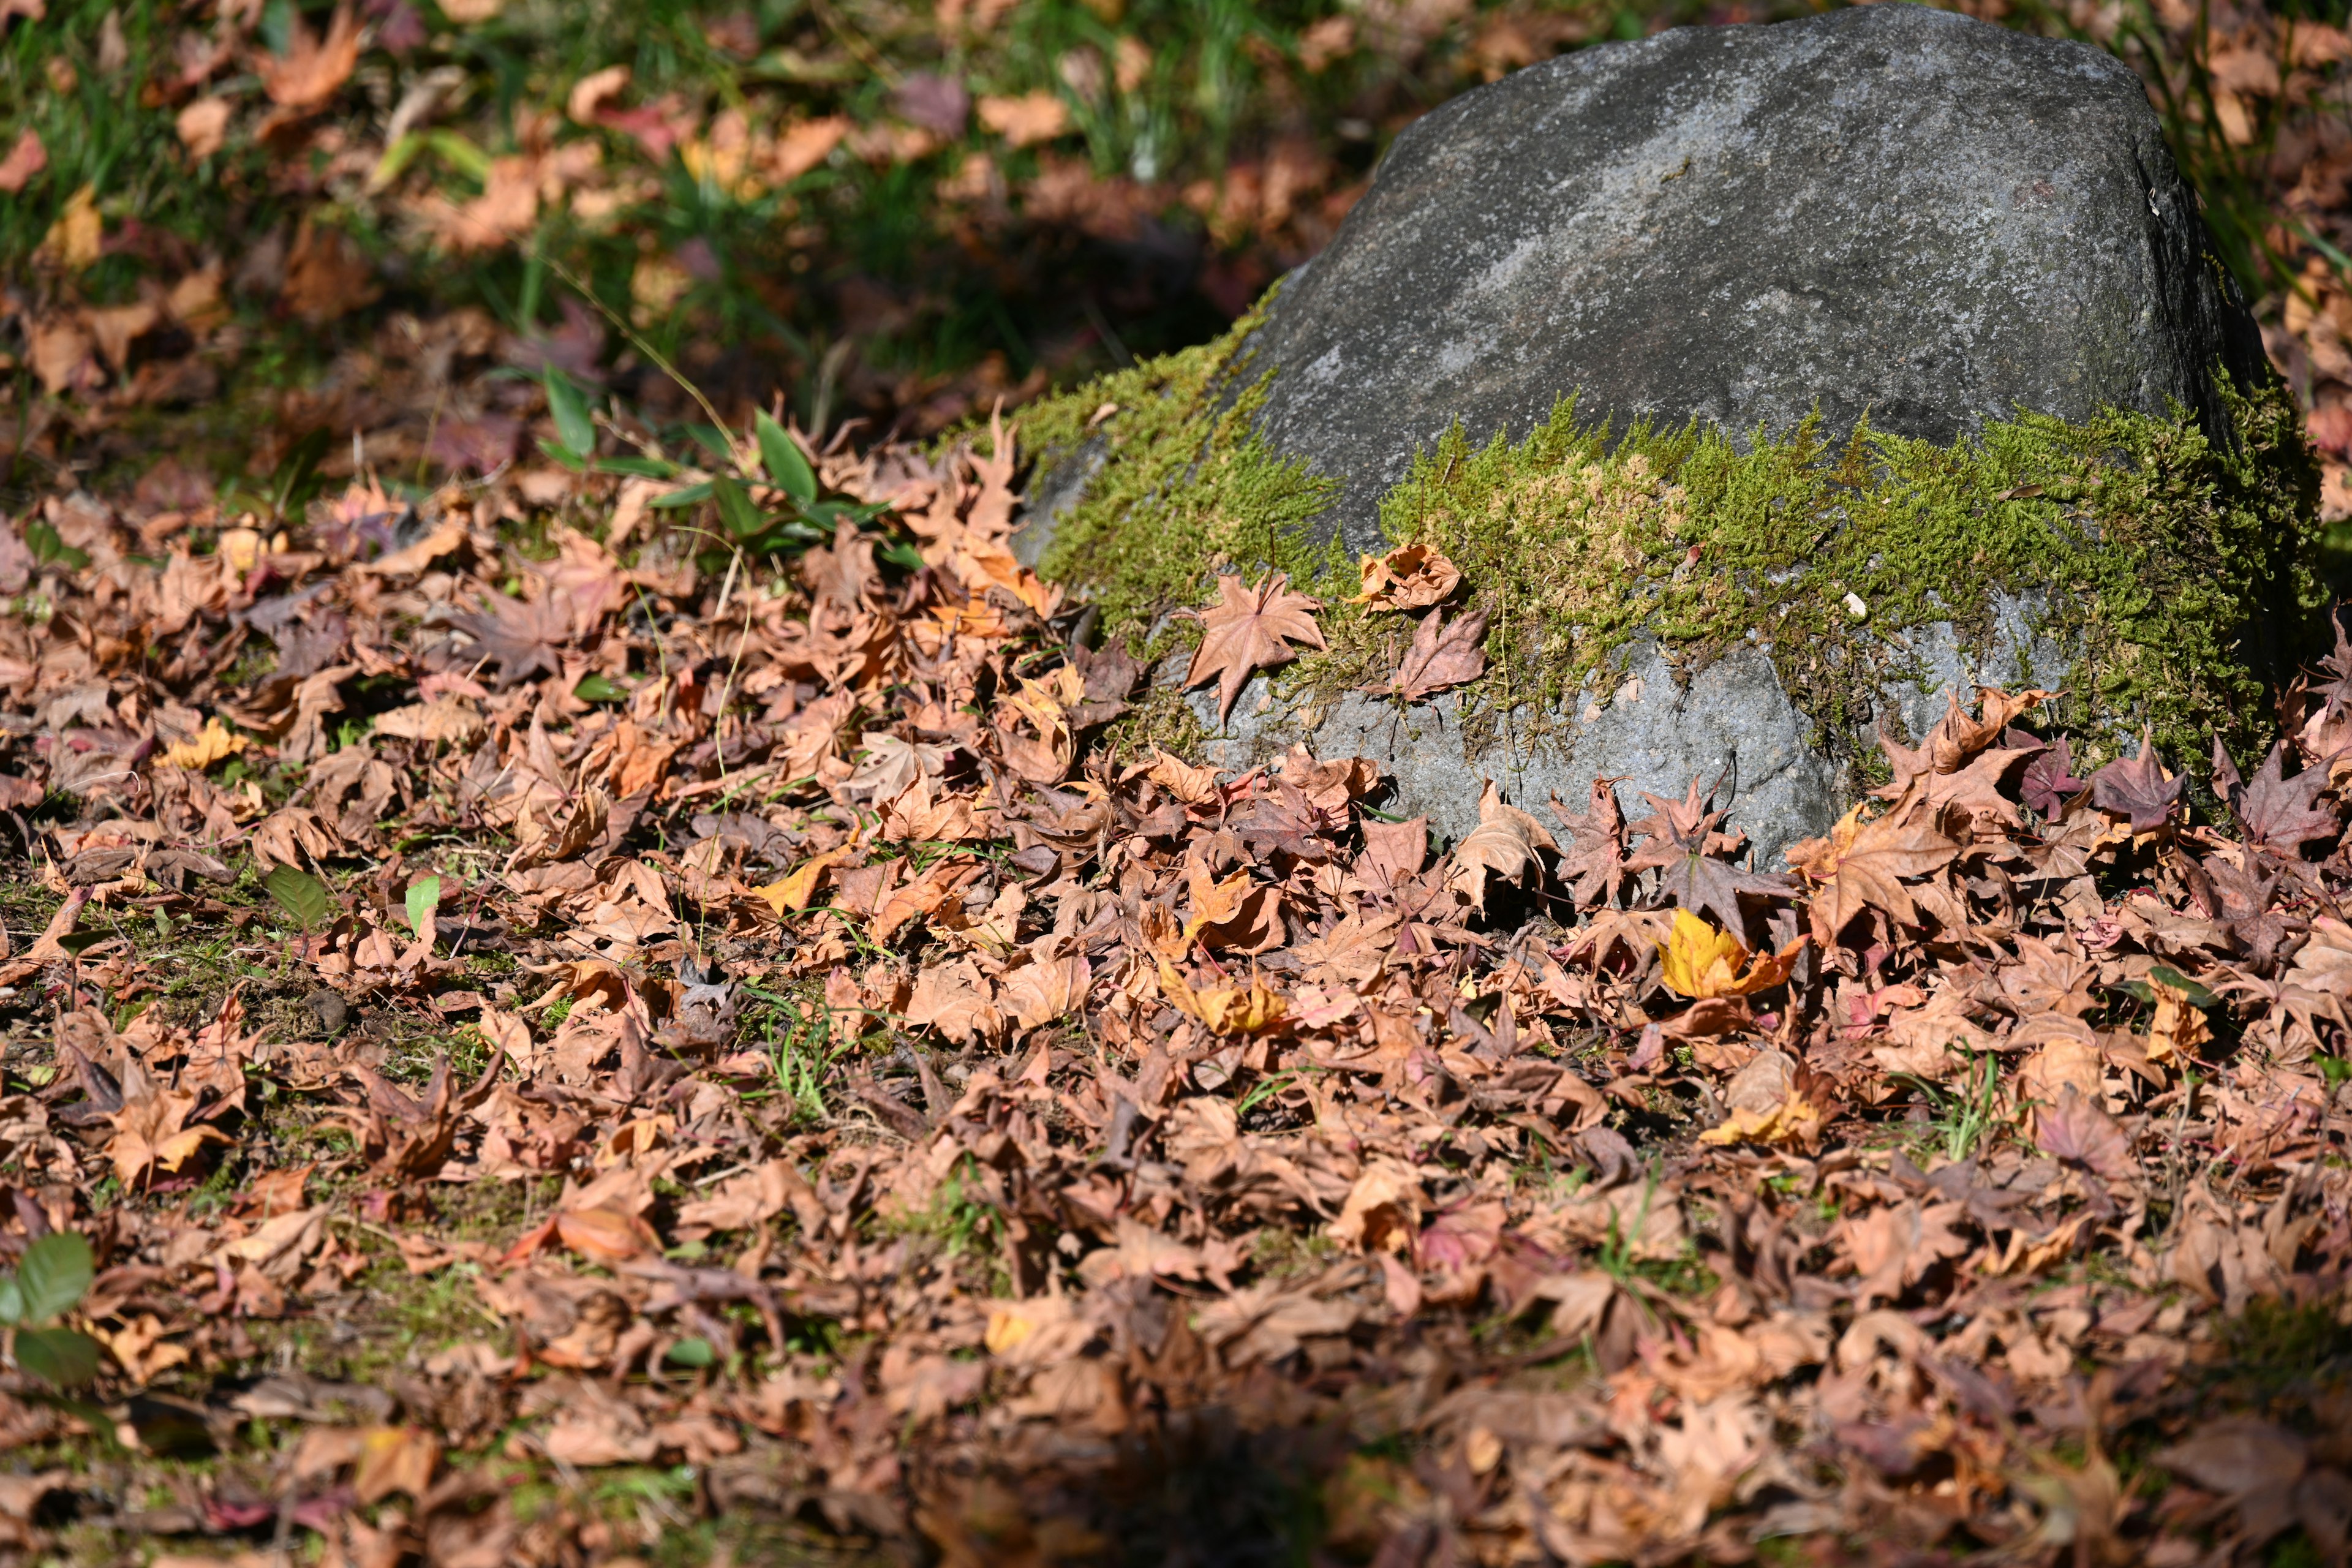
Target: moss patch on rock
{"type": "Point", "coordinates": [2183, 577]}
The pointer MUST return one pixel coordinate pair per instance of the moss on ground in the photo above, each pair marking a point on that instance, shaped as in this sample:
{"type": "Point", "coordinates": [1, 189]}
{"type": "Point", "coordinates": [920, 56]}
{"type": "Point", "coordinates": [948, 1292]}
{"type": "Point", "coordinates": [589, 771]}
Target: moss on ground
{"type": "Point", "coordinates": [2183, 576]}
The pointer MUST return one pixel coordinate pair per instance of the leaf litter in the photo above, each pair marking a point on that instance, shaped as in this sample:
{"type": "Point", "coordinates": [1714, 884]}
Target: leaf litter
{"type": "Point", "coordinates": [825, 1058]}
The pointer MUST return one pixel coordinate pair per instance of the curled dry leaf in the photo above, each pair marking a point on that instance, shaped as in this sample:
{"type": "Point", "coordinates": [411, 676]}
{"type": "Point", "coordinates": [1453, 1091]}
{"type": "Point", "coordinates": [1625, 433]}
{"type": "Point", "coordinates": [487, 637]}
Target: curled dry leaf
{"type": "Point", "coordinates": [1410, 577]}
{"type": "Point", "coordinates": [1503, 844]}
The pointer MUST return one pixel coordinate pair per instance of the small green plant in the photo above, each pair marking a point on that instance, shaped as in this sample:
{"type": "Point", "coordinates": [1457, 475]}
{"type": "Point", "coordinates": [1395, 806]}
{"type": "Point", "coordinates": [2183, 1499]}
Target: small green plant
{"type": "Point", "coordinates": [1962, 1118]}
{"type": "Point", "coordinates": [575, 431]}
{"type": "Point", "coordinates": [791, 519]}
{"type": "Point", "coordinates": [49, 548]}
{"type": "Point", "coordinates": [48, 1282]}
{"type": "Point", "coordinates": [424, 898]}
{"type": "Point", "coordinates": [1616, 1258]}
{"type": "Point", "coordinates": [802, 1054]}
{"type": "Point", "coordinates": [303, 897]}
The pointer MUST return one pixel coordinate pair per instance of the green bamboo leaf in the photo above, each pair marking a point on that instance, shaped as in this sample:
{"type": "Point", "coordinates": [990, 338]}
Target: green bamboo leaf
{"type": "Point", "coordinates": [642, 467]}
{"type": "Point", "coordinates": [573, 426]}
{"type": "Point", "coordinates": [788, 466]}
{"type": "Point", "coordinates": [62, 1358]}
{"type": "Point", "coordinates": [55, 1272]}
{"type": "Point", "coordinates": [691, 495]}
{"type": "Point", "coordinates": [563, 455]}
{"type": "Point", "coordinates": [424, 898]}
{"type": "Point", "coordinates": [736, 512]}
{"type": "Point", "coordinates": [303, 897]}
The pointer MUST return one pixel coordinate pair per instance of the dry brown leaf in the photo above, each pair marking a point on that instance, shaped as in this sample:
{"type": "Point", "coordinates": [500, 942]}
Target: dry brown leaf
{"type": "Point", "coordinates": [312, 68]}
{"type": "Point", "coordinates": [1250, 629]}
{"type": "Point", "coordinates": [1503, 844]}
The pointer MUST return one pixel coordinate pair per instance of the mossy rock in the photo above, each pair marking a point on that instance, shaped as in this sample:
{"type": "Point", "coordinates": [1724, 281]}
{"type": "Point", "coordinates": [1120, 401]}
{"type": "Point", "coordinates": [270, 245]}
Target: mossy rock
{"type": "Point", "coordinates": [1667, 603]}
{"type": "Point", "coordinates": [2044, 447]}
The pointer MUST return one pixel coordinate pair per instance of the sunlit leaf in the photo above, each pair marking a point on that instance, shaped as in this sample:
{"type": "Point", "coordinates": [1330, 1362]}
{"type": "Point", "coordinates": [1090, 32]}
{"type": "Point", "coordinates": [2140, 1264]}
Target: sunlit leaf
{"type": "Point", "coordinates": [424, 898]}
{"type": "Point", "coordinates": [303, 897]}
{"type": "Point", "coordinates": [54, 1274]}
{"type": "Point", "coordinates": [736, 512]}
{"type": "Point", "coordinates": [573, 426]}
{"type": "Point", "coordinates": [788, 467]}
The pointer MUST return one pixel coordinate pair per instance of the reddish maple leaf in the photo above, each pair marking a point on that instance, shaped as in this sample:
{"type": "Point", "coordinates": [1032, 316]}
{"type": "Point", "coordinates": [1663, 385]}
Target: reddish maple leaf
{"type": "Point", "coordinates": [2048, 782]}
{"type": "Point", "coordinates": [2137, 789]}
{"type": "Point", "coordinates": [1595, 869]}
{"type": "Point", "coordinates": [1247, 630]}
{"type": "Point", "coordinates": [1687, 853]}
{"type": "Point", "coordinates": [521, 637]}
{"type": "Point", "coordinates": [2278, 814]}
{"type": "Point", "coordinates": [1439, 658]}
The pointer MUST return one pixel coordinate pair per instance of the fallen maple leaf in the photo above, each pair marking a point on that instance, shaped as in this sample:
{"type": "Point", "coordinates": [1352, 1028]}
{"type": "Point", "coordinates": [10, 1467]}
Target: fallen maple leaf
{"type": "Point", "coordinates": [1441, 659]}
{"type": "Point", "coordinates": [523, 638]}
{"type": "Point", "coordinates": [1700, 962]}
{"type": "Point", "coordinates": [1025, 120]}
{"type": "Point", "coordinates": [2078, 1129]}
{"type": "Point", "coordinates": [1410, 577]}
{"type": "Point", "coordinates": [310, 70]}
{"type": "Point", "coordinates": [205, 748]}
{"type": "Point", "coordinates": [27, 158]}
{"type": "Point", "coordinates": [1250, 629]}
{"type": "Point", "coordinates": [2048, 782]}
{"type": "Point", "coordinates": [2139, 790]}
{"type": "Point", "coordinates": [2278, 814]}
{"type": "Point", "coordinates": [1862, 866]}
{"type": "Point", "coordinates": [794, 891]}
{"type": "Point", "coordinates": [2260, 1467]}
{"type": "Point", "coordinates": [1594, 866]}
{"type": "Point", "coordinates": [1687, 853]}
{"type": "Point", "coordinates": [606, 1235]}
{"type": "Point", "coordinates": [1503, 844]}
{"type": "Point", "coordinates": [151, 1131]}
{"type": "Point", "coordinates": [1247, 1009]}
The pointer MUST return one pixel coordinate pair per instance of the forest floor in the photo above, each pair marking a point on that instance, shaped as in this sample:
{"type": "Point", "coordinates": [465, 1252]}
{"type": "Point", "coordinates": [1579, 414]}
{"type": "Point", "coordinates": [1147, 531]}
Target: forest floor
{"type": "Point", "coordinates": [591, 973]}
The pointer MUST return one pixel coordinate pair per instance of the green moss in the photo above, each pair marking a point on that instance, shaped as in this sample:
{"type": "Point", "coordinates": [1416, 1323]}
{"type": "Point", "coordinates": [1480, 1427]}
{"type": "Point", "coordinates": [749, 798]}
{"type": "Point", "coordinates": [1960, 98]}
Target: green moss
{"type": "Point", "coordinates": [1189, 488]}
{"type": "Point", "coordinates": [2183, 576]}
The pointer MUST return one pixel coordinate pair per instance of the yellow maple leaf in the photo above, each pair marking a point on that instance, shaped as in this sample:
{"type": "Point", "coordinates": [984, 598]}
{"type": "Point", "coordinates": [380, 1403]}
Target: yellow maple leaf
{"type": "Point", "coordinates": [1226, 1010]}
{"type": "Point", "coordinates": [794, 890]}
{"type": "Point", "coordinates": [205, 747]}
{"type": "Point", "coordinates": [73, 241]}
{"type": "Point", "coordinates": [1700, 962]}
{"type": "Point", "coordinates": [1795, 1119]}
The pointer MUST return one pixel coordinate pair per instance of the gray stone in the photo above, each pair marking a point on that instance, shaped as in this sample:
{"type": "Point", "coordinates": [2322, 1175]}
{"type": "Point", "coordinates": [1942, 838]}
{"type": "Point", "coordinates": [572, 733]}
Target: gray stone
{"type": "Point", "coordinates": [1730, 723]}
{"type": "Point", "coordinates": [1887, 209]}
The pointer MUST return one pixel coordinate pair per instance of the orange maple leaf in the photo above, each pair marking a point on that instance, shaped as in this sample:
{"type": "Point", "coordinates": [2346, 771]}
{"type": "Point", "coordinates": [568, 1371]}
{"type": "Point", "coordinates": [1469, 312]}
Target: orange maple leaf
{"type": "Point", "coordinates": [310, 70]}
{"type": "Point", "coordinates": [1250, 629]}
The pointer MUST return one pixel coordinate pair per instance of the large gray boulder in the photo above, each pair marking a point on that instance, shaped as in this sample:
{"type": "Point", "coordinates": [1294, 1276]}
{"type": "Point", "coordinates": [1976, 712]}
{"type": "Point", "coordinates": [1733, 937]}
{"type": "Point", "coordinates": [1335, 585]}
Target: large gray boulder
{"type": "Point", "coordinates": [1887, 209]}
{"type": "Point", "coordinates": [1887, 212]}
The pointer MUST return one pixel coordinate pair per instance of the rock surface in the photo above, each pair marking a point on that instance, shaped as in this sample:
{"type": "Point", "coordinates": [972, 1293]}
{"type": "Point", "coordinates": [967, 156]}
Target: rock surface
{"type": "Point", "coordinates": [1887, 209]}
